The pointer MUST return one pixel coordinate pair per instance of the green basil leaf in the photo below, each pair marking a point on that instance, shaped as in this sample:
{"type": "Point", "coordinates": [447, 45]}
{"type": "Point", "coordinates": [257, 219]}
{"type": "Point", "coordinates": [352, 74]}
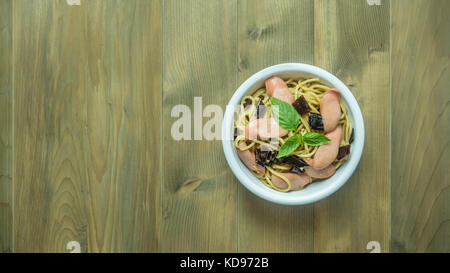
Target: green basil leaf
{"type": "Point", "coordinates": [315, 139]}
{"type": "Point", "coordinates": [285, 114]}
{"type": "Point", "coordinates": [290, 145]}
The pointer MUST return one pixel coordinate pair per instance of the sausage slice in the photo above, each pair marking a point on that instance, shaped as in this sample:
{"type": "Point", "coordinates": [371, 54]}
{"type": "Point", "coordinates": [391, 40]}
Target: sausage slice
{"type": "Point", "coordinates": [321, 174]}
{"type": "Point", "coordinates": [298, 181]}
{"type": "Point", "coordinates": [264, 128]}
{"type": "Point", "coordinates": [277, 88]}
{"type": "Point", "coordinates": [327, 153]}
{"type": "Point", "coordinates": [249, 160]}
{"type": "Point", "coordinates": [330, 110]}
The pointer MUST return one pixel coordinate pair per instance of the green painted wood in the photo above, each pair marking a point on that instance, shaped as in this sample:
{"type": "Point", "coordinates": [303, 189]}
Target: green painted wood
{"type": "Point", "coordinates": [272, 33]}
{"type": "Point", "coordinates": [89, 92]}
{"type": "Point", "coordinates": [351, 40]}
{"type": "Point", "coordinates": [420, 126]}
{"type": "Point", "coordinates": [6, 152]}
{"type": "Point", "coordinates": [199, 196]}
{"type": "Point", "coordinates": [87, 125]}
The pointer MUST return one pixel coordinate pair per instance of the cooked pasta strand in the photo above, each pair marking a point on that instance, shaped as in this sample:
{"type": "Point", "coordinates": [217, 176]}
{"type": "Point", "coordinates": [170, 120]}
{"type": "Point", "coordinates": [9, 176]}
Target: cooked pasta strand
{"type": "Point", "coordinates": [313, 90]}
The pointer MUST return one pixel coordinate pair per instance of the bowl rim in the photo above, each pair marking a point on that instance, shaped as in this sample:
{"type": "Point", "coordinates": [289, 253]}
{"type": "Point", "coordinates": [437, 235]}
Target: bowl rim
{"type": "Point", "coordinates": [246, 178]}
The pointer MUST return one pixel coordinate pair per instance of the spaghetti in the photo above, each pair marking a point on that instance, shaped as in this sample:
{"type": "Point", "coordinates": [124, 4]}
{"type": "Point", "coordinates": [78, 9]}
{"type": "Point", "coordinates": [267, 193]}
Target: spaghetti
{"type": "Point", "coordinates": [312, 90]}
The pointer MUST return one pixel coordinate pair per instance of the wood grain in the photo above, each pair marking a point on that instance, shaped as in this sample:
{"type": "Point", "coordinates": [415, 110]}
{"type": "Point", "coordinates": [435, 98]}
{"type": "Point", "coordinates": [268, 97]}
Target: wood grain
{"type": "Point", "coordinates": [123, 125]}
{"type": "Point", "coordinates": [6, 91]}
{"type": "Point", "coordinates": [88, 93]}
{"type": "Point", "coordinates": [352, 42]}
{"type": "Point", "coordinates": [199, 59]}
{"type": "Point", "coordinates": [420, 126]}
{"type": "Point", "coordinates": [271, 33]}
{"type": "Point", "coordinates": [87, 101]}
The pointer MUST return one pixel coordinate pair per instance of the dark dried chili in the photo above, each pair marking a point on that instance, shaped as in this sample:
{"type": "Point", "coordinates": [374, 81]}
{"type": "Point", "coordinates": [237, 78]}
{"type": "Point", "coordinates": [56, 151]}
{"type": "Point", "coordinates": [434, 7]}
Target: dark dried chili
{"type": "Point", "coordinates": [297, 170]}
{"type": "Point", "coordinates": [352, 136]}
{"type": "Point", "coordinates": [247, 102]}
{"type": "Point", "coordinates": [343, 152]}
{"type": "Point", "coordinates": [260, 109]}
{"type": "Point", "coordinates": [266, 158]}
{"type": "Point", "coordinates": [315, 121]}
{"type": "Point", "coordinates": [301, 105]}
{"type": "Point", "coordinates": [294, 161]}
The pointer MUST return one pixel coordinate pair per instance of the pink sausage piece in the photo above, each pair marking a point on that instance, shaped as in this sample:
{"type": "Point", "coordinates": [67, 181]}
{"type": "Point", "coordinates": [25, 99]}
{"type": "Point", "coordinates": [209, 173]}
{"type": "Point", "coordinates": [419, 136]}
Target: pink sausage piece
{"type": "Point", "coordinates": [321, 174]}
{"type": "Point", "coordinates": [249, 160]}
{"type": "Point", "coordinates": [264, 128]}
{"type": "Point", "coordinates": [298, 181]}
{"type": "Point", "coordinates": [330, 109]}
{"type": "Point", "coordinates": [327, 153]}
{"type": "Point", "coordinates": [277, 88]}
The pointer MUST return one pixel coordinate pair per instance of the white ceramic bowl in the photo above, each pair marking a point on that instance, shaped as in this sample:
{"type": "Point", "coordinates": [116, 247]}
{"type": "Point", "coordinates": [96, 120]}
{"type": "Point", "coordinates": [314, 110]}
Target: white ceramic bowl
{"type": "Point", "coordinates": [317, 190]}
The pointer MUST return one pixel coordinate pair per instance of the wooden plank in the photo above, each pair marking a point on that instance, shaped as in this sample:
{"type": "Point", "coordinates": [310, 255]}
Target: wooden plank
{"type": "Point", "coordinates": [6, 86]}
{"type": "Point", "coordinates": [87, 104]}
{"type": "Point", "coordinates": [199, 60]}
{"type": "Point", "coordinates": [271, 33]}
{"type": "Point", "coordinates": [49, 104]}
{"type": "Point", "coordinates": [420, 126]}
{"type": "Point", "coordinates": [123, 43]}
{"type": "Point", "coordinates": [352, 42]}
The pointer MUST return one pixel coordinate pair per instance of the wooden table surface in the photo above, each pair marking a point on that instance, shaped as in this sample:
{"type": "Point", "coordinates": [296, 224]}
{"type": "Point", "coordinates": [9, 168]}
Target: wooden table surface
{"type": "Point", "coordinates": [86, 152]}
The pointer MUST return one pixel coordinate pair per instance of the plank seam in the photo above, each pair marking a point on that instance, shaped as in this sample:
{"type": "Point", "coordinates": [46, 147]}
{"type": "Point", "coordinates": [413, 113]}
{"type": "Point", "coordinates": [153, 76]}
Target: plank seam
{"type": "Point", "coordinates": [237, 83]}
{"type": "Point", "coordinates": [390, 128]}
{"type": "Point", "coordinates": [12, 131]}
{"type": "Point", "coordinates": [161, 146]}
